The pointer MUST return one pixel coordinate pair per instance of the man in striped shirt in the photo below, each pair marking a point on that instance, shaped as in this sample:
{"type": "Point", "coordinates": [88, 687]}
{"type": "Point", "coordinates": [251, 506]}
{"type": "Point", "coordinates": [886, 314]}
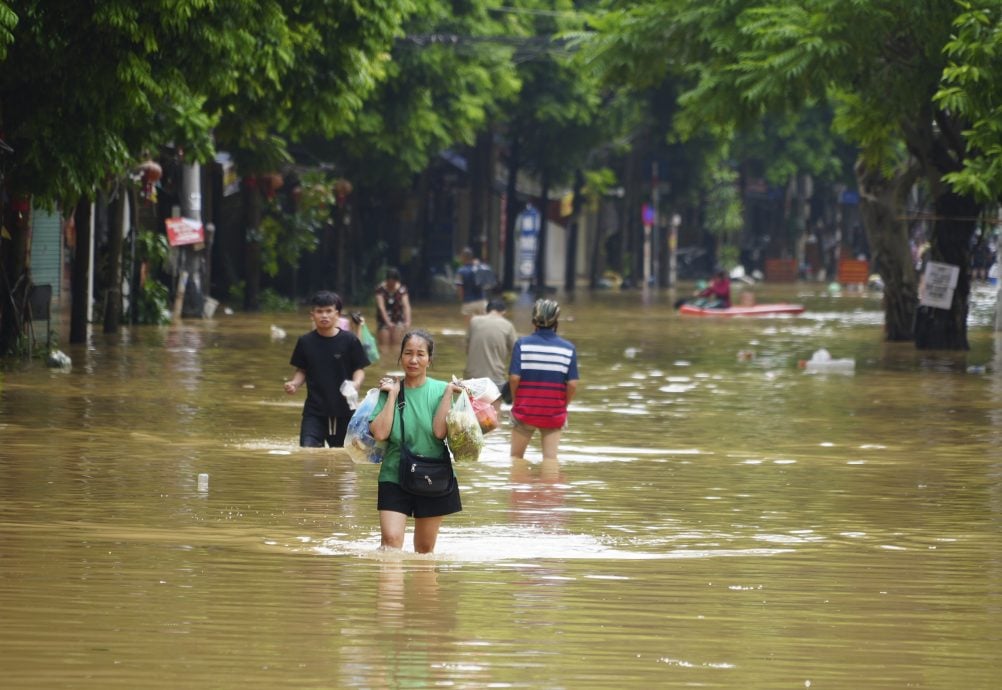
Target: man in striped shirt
{"type": "Point", "coordinates": [543, 377]}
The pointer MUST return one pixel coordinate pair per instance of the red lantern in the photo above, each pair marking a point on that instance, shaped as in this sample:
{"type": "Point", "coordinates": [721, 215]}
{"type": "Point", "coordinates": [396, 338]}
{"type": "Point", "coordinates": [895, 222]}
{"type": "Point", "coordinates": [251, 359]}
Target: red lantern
{"type": "Point", "coordinates": [271, 183]}
{"type": "Point", "coordinates": [20, 204]}
{"type": "Point", "coordinates": [342, 188]}
{"type": "Point", "coordinates": [151, 170]}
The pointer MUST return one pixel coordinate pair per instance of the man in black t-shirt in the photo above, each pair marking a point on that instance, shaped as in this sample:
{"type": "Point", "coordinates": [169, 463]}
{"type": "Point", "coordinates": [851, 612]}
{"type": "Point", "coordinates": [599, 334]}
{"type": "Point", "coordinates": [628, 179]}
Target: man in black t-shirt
{"type": "Point", "coordinates": [325, 358]}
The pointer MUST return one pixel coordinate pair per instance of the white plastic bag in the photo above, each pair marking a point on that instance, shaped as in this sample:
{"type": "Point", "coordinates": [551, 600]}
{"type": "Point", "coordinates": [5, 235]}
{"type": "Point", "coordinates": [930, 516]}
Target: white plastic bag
{"type": "Point", "coordinates": [350, 393]}
{"type": "Point", "coordinates": [358, 440]}
{"type": "Point", "coordinates": [480, 389]}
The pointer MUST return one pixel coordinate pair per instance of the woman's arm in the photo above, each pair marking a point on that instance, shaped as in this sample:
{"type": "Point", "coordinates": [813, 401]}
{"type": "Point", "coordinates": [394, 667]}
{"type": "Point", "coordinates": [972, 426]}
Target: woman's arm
{"type": "Point", "coordinates": [381, 426]}
{"type": "Point", "coordinates": [406, 302]}
{"type": "Point", "coordinates": [438, 425]}
{"type": "Point", "coordinates": [381, 308]}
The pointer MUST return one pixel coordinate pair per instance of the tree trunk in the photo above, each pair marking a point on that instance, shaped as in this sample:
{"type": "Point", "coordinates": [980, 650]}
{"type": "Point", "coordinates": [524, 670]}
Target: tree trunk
{"type": "Point", "coordinates": [14, 286]}
{"type": "Point", "coordinates": [882, 203]}
{"type": "Point", "coordinates": [511, 216]}
{"type": "Point", "coordinates": [481, 175]}
{"type": "Point", "coordinates": [570, 265]}
{"type": "Point", "coordinates": [113, 295]}
{"type": "Point", "coordinates": [956, 218]}
{"type": "Point", "coordinates": [81, 273]}
{"type": "Point", "coordinates": [252, 247]}
{"type": "Point", "coordinates": [543, 227]}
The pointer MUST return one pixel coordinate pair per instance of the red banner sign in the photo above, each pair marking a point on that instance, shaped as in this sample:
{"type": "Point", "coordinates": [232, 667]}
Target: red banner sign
{"type": "Point", "coordinates": [184, 231]}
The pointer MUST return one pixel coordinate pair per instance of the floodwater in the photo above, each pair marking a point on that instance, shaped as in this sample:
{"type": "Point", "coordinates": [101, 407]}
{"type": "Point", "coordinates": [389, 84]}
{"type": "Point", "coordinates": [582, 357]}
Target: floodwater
{"type": "Point", "coordinates": [719, 517]}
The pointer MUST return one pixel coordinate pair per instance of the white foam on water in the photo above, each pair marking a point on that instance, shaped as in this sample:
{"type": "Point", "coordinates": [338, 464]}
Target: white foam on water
{"type": "Point", "coordinates": [522, 544]}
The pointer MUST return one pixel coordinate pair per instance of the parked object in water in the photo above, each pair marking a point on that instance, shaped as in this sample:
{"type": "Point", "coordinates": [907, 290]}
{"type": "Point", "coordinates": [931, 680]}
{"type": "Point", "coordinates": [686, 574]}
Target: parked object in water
{"type": "Point", "coordinates": [58, 359]}
{"type": "Point", "coordinates": [775, 309]}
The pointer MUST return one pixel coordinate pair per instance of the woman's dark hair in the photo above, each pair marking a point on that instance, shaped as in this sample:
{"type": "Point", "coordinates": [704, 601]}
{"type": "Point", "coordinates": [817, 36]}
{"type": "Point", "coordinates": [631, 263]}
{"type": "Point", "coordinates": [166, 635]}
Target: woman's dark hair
{"type": "Point", "coordinates": [326, 298]}
{"type": "Point", "coordinates": [417, 333]}
{"type": "Point", "coordinates": [393, 274]}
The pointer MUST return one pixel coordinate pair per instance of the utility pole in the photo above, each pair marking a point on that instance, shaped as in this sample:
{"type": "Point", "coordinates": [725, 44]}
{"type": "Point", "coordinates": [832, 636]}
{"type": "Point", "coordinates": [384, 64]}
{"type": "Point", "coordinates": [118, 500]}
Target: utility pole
{"type": "Point", "coordinates": [190, 257]}
{"type": "Point", "coordinates": [651, 245]}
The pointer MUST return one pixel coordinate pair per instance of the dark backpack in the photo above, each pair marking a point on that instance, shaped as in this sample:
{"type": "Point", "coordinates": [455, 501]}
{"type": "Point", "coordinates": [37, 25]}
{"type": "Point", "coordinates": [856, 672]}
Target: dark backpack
{"type": "Point", "coordinates": [484, 277]}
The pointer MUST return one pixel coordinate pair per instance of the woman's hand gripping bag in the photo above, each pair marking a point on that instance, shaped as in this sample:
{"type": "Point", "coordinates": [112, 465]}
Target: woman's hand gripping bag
{"type": "Point", "coordinates": [466, 440]}
{"type": "Point", "coordinates": [358, 440]}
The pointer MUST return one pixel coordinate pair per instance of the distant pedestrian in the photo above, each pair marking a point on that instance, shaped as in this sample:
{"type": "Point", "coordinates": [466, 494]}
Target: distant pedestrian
{"type": "Point", "coordinates": [544, 378]}
{"type": "Point", "coordinates": [393, 309]}
{"type": "Point", "coordinates": [325, 358]}
{"type": "Point", "coordinates": [468, 286]}
{"type": "Point", "coordinates": [489, 343]}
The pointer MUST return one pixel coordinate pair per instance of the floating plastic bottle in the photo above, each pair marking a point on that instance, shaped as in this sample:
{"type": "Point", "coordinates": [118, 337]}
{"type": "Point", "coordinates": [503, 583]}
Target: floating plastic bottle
{"type": "Point", "coordinates": [203, 482]}
{"type": "Point", "coordinates": [821, 362]}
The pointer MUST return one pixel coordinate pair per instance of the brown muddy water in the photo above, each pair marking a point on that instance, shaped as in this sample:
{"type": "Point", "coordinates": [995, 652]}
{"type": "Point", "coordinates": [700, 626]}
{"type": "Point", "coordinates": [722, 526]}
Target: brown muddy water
{"type": "Point", "coordinates": [719, 518]}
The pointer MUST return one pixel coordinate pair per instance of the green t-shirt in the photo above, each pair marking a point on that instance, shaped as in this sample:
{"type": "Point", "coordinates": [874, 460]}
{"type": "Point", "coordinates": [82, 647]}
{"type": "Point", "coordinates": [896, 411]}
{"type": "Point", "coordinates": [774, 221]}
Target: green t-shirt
{"type": "Point", "coordinates": [421, 403]}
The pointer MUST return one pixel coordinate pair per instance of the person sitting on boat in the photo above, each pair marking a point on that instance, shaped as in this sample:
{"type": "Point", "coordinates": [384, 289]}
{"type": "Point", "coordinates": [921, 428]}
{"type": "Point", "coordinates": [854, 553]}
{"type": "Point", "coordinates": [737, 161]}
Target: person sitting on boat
{"type": "Point", "coordinates": [718, 293]}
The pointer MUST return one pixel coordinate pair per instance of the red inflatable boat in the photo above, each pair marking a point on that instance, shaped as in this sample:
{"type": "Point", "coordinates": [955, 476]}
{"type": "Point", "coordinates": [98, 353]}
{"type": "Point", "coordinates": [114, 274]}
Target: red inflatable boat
{"type": "Point", "coordinates": [751, 310]}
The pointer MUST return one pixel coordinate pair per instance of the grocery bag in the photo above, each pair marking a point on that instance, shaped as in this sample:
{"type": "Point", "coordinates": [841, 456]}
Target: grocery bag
{"type": "Point", "coordinates": [358, 440]}
{"type": "Point", "coordinates": [369, 343]}
{"type": "Point", "coordinates": [466, 440]}
{"type": "Point", "coordinates": [487, 416]}
{"type": "Point", "coordinates": [480, 389]}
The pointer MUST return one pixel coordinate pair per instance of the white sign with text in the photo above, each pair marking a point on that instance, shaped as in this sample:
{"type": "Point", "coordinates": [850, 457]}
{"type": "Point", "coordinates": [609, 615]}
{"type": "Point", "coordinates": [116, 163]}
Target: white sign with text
{"type": "Point", "coordinates": [938, 285]}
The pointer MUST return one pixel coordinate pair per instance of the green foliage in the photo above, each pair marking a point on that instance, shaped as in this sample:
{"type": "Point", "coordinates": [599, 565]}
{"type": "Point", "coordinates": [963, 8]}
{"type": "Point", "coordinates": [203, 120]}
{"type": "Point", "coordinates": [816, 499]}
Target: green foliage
{"type": "Point", "coordinates": [152, 303]}
{"type": "Point", "coordinates": [288, 234]}
{"type": "Point", "coordinates": [152, 299]}
{"type": "Point", "coordinates": [724, 211]}
{"type": "Point", "coordinates": [152, 248]}
{"type": "Point", "coordinates": [193, 72]}
{"type": "Point", "coordinates": [272, 301]}
{"type": "Point", "coordinates": [447, 78]}
{"type": "Point", "coordinates": [597, 184]}
{"type": "Point", "coordinates": [237, 291]}
{"type": "Point", "coordinates": [972, 88]}
{"type": "Point", "coordinates": [8, 20]}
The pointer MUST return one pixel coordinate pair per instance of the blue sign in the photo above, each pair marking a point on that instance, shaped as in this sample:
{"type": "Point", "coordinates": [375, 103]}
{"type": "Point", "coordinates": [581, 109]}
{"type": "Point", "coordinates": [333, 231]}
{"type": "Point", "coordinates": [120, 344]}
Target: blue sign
{"type": "Point", "coordinates": [528, 238]}
{"type": "Point", "coordinates": [647, 213]}
{"type": "Point", "coordinates": [850, 197]}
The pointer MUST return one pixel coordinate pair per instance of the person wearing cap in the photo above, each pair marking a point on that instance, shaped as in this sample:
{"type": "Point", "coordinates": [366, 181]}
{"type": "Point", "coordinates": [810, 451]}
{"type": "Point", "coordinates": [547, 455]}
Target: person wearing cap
{"type": "Point", "coordinates": [489, 343]}
{"type": "Point", "coordinates": [543, 377]}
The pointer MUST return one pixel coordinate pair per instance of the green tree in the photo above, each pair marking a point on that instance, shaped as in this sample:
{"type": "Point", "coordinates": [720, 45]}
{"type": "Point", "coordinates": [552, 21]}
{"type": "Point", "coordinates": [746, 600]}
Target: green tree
{"type": "Point", "coordinates": [450, 76]}
{"type": "Point", "coordinates": [879, 62]}
{"type": "Point", "coordinates": [85, 87]}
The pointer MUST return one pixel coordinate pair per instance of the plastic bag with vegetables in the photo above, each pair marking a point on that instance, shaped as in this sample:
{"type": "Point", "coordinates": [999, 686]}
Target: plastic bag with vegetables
{"type": "Point", "coordinates": [466, 440]}
{"type": "Point", "coordinates": [358, 440]}
{"type": "Point", "coordinates": [483, 392]}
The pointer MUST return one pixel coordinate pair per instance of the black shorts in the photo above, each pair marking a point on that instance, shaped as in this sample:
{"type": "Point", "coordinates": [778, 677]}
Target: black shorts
{"type": "Point", "coordinates": [392, 497]}
{"type": "Point", "coordinates": [315, 431]}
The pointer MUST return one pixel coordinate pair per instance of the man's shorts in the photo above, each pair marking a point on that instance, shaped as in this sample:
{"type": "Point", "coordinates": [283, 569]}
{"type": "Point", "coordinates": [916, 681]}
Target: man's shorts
{"type": "Point", "coordinates": [474, 308]}
{"type": "Point", "coordinates": [392, 497]}
{"type": "Point", "coordinates": [528, 429]}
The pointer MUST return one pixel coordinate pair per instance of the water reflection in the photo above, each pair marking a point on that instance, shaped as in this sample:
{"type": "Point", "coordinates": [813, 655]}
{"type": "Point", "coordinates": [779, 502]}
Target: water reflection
{"type": "Point", "coordinates": [716, 519]}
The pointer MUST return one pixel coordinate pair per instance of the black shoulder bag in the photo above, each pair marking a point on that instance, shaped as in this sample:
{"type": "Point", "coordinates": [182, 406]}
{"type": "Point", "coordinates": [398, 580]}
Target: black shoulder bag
{"type": "Point", "coordinates": [421, 475]}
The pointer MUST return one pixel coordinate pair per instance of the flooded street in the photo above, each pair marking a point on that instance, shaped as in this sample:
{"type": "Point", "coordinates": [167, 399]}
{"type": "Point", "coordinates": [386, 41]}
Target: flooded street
{"type": "Point", "coordinates": [719, 517]}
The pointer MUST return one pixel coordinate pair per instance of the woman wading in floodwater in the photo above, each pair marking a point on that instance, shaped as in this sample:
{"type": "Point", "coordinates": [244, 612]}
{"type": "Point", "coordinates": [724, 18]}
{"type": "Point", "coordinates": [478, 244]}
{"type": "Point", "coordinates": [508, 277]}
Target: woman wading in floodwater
{"type": "Point", "coordinates": [426, 404]}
